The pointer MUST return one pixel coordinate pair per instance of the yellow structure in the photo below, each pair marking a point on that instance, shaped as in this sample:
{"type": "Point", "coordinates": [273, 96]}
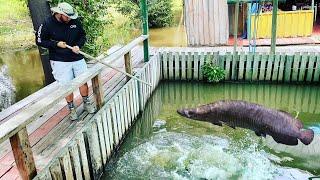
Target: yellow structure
{"type": "Point", "coordinates": [290, 24]}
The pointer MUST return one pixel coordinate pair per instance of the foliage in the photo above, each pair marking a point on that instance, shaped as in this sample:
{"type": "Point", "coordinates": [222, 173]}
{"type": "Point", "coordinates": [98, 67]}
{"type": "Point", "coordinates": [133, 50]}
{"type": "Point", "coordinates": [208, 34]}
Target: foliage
{"type": "Point", "coordinates": [94, 16]}
{"type": "Point", "coordinates": [212, 72]}
{"type": "Point", "coordinates": [160, 12]}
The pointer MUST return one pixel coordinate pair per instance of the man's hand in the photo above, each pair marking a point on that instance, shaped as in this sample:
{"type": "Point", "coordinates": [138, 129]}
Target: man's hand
{"type": "Point", "coordinates": [62, 44]}
{"type": "Point", "coordinates": [75, 49]}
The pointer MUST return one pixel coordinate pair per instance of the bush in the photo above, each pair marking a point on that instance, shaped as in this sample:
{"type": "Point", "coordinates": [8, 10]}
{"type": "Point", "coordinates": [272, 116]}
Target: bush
{"type": "Point", "coordinates": [212, 72]}
{"type": "Point", "coordinates": [160, 12]}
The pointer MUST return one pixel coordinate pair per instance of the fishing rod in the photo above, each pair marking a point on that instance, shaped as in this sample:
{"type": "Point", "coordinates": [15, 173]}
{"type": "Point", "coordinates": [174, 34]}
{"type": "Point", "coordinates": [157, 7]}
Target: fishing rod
{"type": "Point", "coordinates": [110, 66]}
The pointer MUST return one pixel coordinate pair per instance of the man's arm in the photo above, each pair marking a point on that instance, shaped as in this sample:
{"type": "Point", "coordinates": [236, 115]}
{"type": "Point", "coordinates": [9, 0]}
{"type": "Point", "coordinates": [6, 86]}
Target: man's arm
{"type": "Point", "coordinates": [43, 37]}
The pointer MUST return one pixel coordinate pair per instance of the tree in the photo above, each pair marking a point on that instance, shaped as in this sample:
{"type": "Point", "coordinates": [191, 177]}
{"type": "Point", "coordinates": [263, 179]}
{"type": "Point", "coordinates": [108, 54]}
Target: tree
{"type": "Point", "coordinates": [159, 11]}
{"type": "Point", "coordinates": [39, 11]}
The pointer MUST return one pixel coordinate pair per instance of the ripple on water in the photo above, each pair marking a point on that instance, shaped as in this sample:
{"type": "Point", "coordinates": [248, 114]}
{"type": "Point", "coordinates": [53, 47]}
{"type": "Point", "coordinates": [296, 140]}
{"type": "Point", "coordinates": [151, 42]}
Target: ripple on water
{"type": "Point", "coordinates": [180, 156]}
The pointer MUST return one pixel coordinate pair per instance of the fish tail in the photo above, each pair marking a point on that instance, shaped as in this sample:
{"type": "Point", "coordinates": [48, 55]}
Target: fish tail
{"type": "Point", "coordinates": [306, 136]}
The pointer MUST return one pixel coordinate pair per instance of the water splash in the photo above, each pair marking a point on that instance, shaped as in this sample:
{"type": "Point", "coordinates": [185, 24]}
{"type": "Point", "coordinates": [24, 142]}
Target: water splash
{"type": "Point", "coordinates": [7, 89]}
{"type": "Point", "coordinates": [180, 156]}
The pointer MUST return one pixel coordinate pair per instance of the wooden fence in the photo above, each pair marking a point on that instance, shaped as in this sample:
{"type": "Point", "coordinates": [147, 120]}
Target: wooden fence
{"type": "Point", "coordinates": [87, 154]}
{"type": "Point", "coordinates": [305, 67]}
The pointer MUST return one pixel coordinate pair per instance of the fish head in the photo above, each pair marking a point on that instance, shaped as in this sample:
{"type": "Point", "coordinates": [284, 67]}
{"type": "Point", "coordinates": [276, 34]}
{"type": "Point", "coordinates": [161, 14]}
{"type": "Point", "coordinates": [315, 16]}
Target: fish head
{"type": "Point", "coordinates": [193, 113]}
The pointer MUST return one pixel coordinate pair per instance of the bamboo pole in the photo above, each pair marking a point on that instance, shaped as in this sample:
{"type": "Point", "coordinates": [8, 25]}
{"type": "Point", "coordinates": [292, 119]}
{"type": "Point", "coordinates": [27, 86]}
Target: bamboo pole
{"type": "Point", "coordinates": [274, 26]}
{"type": "Point", "coordinates": [110, 66]}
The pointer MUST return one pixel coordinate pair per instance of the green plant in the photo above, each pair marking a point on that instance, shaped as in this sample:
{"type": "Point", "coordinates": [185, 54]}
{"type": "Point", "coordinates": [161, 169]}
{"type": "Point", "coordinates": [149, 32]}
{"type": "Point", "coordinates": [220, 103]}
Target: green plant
{"type": "Point", "coordinates": [160, 13]}
{"type": "Point", "coordinates": [212, 72]}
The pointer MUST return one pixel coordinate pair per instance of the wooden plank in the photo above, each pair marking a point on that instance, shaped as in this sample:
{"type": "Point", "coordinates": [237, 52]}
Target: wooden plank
{"type": "Point", "coordinates": [125, 109]}
{"type": "Point", "coordinates": [202, 60]}
{"type": "Point", "coordinates": [44, 175]}
{"type": "Point", "coordinates": [183, 66]}
{"type": "Point", "coordinates": [23, 154]}
{"type": "Point", "coordinates": [165, 65]}
{"type": "Point", "coordinates": [119, 117]}
{"type": "Point", "coordinates": [288, 68]}
{"type": "Point", "coordinates": [109, 133]}
{"type": "Point", "coordinates": [75, 160]}
{"type": "Point", "coordinates": [295, 69]}
{"type": "Point", "coordinates": [132, 102]}
{"type": "Point", "coordinates": [234, 62]}
{"type": "Point", "coordinates": [176, 66]}
{"type": "Point", "coordinates": [257, 58]}
{"type": "Point", "coordinates": [248, 75]}
{"type": "Point", "coordinates": [281, 68]}
{"type": "Point", "coordinates": [196, 66]}
{"type": "Point", "coordinates": [241, 66]}
{"type": "Point", "coordinates": [128, 64]}
{"type": "Point", "coordinates": [83, 156]}
{"type": "Point", "coordinates": [269, 67]}
{"type": "Point", "coordinates": [94, 150]}
{"type": "Point", "coordinates": [189, 66]}
{"type": "Point", "coordinates": [115, 123]}
{"type": "Point", "coordinates": [303, 65]}
{"type": "Point", "coordinates": [310, 68]}
{"type": "Point", "coordinates": [317, 70]}
{"type": "Point", "coordinates": [55, 170]}
{"type": "Point", "coordinates": [275, 71]}
{"type": "Point", "coordinates": [262, 70]}
{"type": "Point", "coordinates": [228, 64]}
{"type": "Point", "coordinates": [65, 163]}
{"type": "Point", "coordinates": [98, 120]}
{"type": "Point", "coordinates": [97, 90]}
{"type": "Point", "coordinates": [171, 71]}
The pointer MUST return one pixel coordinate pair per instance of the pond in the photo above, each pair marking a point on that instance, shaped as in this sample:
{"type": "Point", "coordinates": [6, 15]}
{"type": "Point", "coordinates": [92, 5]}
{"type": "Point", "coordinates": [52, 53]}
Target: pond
{"type": "Point", "coordinates": [164, 145]}
{"type": "Point", "coordinates": [25, 69]}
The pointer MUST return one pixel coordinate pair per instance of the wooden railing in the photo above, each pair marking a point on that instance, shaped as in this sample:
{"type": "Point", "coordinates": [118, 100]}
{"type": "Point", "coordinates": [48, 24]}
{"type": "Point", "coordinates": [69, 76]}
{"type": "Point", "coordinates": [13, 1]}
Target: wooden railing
{"type": "Point", "coordinates": [186, 65]}
{"type": "Point", "coordinates": [15, 129]}
{"type": "Point", "coordinates": [91, 148]}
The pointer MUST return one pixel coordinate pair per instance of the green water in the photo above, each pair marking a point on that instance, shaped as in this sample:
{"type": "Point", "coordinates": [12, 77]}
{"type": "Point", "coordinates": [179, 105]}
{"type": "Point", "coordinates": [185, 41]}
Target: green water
{"type": "Point", "coordinates": [25, 69]}
{"type": "Point", "coordinates": [163, 145]}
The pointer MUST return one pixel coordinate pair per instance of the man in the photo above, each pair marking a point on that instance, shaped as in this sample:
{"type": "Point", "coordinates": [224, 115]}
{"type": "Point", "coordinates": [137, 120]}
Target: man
{"type": "Point", "coordinates": [59, 30]}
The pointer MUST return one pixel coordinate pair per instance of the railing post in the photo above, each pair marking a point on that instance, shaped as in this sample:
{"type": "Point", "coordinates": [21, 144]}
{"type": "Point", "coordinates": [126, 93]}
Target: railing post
{"type": "Point", "coordinates": [23, 154]}
{"type": "Point", "coordinates": [97, 90]}
{"type": "Point", "coordinates": [144, 13]}
{"type": "Point", "coordinates": [274, 26]}
{"type": "Point", "coordinates": [128, 64]}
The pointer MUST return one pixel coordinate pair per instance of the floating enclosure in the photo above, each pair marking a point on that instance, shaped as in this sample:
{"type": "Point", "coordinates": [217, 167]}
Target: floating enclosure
{"type": "Point", "coordinates": [87, 154]}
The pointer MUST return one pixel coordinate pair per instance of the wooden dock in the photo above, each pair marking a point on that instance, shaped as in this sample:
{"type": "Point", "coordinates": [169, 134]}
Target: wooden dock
{"type": "Point", "coordinates": [52, 130]}
{"type": "Point", "coordinates": [46, 142]}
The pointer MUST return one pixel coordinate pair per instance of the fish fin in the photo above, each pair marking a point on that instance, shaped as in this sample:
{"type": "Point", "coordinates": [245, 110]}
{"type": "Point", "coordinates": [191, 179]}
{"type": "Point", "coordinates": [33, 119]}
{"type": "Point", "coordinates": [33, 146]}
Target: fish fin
{"type": "Point", "coordinates": [306, 136]}
{"type": "Point", "coordinates": [284, 112]}
{"type": "Point", "coordinates": [260, 133]}
{"type": "Point", "coordinates": [218, 123]}
{"type": "Point", "coordinates": [288, 140]}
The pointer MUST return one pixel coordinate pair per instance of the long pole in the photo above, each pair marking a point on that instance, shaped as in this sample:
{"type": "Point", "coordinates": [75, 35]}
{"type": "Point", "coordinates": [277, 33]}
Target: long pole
{"type": "Point", "coordinates": [274, 26]}
{"type": "Point", "coordinates": [145, 29]}
{"type": "Point", "coordinates": [235, 30]}
{"type": "Point", "coordinates": [110, 66]}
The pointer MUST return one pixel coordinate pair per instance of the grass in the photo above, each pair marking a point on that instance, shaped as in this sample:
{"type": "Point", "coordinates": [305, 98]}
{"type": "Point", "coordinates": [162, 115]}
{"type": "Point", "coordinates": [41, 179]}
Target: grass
{"type": "Point", "coordinates": [16, 30]}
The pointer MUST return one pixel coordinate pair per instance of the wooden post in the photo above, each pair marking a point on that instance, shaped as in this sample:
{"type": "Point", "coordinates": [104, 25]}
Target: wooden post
{"type": "Point", "coordinates": [274, 26]}
{"type": "Point", "coordinates": [235, 30]}
{"type": "Point", "coordinates": [23, 154]}
{"type": "Point", "coordinates": [128, 64]}
{"type": "Point", "coordinates": [145, 27]}
{"type": "Point", "coordinates": [97, 90]}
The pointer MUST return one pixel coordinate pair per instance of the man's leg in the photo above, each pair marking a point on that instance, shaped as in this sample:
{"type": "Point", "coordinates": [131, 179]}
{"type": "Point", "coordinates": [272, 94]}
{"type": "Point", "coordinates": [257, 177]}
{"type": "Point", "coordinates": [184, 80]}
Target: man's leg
{"type": "Point", "coordinates": [84, 90]}
{"type": "Point", "coordinates": [80, 67]}
{"type": "Point", "coordinates": [62, 72]}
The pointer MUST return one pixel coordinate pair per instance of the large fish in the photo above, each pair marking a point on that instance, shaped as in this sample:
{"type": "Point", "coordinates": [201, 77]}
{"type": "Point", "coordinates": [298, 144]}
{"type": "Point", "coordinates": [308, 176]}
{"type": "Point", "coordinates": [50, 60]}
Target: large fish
{"type": "Point", "coordinates": [283, 127]}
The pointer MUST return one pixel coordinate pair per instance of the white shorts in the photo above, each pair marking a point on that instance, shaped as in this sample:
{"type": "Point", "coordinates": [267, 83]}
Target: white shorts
{"type": "Point", "coordinates": [64, 72]}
